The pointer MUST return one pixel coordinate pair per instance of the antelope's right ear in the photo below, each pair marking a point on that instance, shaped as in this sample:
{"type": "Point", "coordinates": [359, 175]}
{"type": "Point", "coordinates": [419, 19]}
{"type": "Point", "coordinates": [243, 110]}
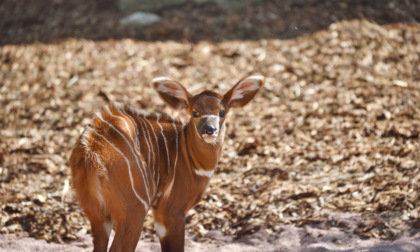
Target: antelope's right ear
{"type": "Point", "coordinates": [172, 92]}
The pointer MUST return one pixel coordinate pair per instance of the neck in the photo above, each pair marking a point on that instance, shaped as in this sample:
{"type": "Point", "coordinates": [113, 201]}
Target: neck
{"type": "Point", "coordinates": [202, 156]}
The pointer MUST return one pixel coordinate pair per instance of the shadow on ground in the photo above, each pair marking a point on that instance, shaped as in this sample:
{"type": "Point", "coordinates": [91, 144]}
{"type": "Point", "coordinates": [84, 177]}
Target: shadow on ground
{"type": "Point", "coordinates": [49, 21]}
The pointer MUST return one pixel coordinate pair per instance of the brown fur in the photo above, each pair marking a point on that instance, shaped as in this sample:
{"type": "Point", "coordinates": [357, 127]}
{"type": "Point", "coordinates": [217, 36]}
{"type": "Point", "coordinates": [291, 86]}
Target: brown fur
{"type": "Point", "coordinates": [124, 163]}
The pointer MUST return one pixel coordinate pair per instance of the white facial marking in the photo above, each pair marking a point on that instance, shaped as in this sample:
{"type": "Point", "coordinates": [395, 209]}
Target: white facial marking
{"type": "Point", "coordinates": [204, 173]}
{"type": "Point", "coordinates": [211, 139]}
{"type": "Point", "coordinates": [211, 116]}
{"type": "Point", "coordinates": [215, 120]}
{"type": "Point", "coordinates": [160, 230]}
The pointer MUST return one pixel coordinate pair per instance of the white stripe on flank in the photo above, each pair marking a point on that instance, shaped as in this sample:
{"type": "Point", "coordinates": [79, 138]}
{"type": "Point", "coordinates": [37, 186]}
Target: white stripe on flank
{"type": "Point", "coordinates": [141, 119]}
{"type": "Point", "coordinates": [168, 192]}
{"type": "Point", "coordinates": [136, 110]}
{"type": "Point", "coordinates": [128, 166]}
{"type": "Point", "coordinates": [147, 143]}
{"type": "Point", "coordinates": [146, 134]}
{"type": "Point", "coordinates": [138, 143]}
{"type": "Point", "coordinates": [157, 145]}
{"type": "Point", "coordinates": [147, 186]}
{"type": "Point", "coordinates": [164, 140]}
{"type": "Point", "coordinates": [150, 148]}
{"type": "Point", "coordinates": [137, 146]}
{"type": "Point", "coordinates": [135, 139]}
{"type": "Point", "coordinates": [125, 121]}
{"type": "Point", "coordinates": [204, 173]}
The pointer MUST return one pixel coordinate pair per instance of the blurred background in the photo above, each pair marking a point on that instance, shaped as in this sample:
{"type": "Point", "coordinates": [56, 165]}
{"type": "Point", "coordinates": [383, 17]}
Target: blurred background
{"type": "Point", "coordinates": [50, 21]}
{"type": "Point", "coordinates": [331, 143]}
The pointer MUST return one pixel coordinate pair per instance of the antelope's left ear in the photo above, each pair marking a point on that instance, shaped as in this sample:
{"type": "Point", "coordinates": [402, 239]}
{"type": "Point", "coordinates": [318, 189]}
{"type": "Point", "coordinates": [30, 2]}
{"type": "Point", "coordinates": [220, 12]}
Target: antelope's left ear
{"type": "Point", "coordinates": [243, 91]}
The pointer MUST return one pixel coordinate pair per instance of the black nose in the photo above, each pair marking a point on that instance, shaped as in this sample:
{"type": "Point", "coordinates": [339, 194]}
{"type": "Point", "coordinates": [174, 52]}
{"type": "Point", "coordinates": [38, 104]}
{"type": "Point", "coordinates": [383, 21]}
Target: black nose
{"type": "Point", "coordinates": [209, 129]}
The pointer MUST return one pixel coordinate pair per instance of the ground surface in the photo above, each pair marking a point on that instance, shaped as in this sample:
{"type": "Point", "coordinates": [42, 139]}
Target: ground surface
{"type": "Point", "coordinates": [334, 133]}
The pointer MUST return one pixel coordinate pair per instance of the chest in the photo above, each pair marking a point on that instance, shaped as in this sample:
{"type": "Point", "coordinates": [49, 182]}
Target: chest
{"type": "Point", "coordinates": [187, 193]}
{"type": "Point", "coordinates": [198, 191]}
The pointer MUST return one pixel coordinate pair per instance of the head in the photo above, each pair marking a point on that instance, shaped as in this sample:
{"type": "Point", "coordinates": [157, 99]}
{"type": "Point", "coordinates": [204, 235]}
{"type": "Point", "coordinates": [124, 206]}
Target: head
{"type": "Point", "coordinates": [208, 109]}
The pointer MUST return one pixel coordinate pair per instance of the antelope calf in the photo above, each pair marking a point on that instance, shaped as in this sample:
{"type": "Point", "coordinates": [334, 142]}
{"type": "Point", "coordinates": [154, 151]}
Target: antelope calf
{"type": "Point", "coordinates": [126, 162]}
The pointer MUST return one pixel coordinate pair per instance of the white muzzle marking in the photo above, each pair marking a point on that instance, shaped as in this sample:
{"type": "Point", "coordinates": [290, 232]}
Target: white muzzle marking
{"type": "Point", "coordinates": [215, 120]}
{"type": "Point", "coordinates": [210, 138]}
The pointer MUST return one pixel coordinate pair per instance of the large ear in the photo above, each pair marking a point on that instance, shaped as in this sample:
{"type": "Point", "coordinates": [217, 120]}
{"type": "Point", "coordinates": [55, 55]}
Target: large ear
{"type": "Point", "coordinates": [172, 92]}
{"type": "Point", "coordinates": [243, 91]}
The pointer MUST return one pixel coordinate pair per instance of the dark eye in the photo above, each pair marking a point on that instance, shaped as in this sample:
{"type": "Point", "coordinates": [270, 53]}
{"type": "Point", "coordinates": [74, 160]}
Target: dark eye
{"type": "Point", "coordinates": [222, 113]}
{"type": "Point", "coordinates": [196, 114]}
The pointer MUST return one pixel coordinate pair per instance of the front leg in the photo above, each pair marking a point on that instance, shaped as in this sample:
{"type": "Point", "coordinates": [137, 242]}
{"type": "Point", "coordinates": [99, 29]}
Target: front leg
{"type": "Point", "coordinates": [170, 229]}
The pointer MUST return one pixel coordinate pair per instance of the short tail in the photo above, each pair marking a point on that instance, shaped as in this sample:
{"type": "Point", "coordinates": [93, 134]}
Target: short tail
{"type": "Point", "coordinates": [86, 182]}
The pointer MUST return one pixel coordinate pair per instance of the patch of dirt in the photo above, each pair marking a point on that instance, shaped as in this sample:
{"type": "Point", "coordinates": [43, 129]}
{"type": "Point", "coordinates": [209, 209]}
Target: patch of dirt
{"type": "Point", "coordinates": [334, 132]}
{"type": "Point", "coordinates": [311, 238]}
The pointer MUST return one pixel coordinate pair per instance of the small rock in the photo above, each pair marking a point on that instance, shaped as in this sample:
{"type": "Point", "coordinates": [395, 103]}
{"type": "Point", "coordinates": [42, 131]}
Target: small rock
{"type": "Point", "coordinates": [140, 19]}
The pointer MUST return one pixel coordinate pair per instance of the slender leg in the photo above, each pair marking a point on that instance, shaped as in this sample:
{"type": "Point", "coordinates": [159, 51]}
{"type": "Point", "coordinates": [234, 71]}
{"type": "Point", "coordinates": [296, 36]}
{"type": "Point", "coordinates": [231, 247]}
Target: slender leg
{"type": "Point", "coordinates": [171, 232]}
{"type": "Point", "coordinates": [100, 234]}
{"type": "Point", "coordinates": [128, 230]}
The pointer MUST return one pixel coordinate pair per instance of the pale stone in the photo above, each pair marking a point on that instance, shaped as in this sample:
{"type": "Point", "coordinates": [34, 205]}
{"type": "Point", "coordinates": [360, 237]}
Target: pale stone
{"type": "Point", "coordinates": [140, 19]}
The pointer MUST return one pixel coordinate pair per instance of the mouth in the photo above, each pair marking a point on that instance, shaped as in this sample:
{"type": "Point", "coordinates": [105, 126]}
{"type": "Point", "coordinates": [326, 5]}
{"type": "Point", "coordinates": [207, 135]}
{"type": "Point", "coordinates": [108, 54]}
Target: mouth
{"type": "Point", "coordinates": [211, 139]}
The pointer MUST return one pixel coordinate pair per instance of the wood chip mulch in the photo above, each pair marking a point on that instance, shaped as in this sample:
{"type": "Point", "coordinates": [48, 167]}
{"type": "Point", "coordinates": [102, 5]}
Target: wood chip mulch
{"type": "Point", "coordinates": [336, 127]}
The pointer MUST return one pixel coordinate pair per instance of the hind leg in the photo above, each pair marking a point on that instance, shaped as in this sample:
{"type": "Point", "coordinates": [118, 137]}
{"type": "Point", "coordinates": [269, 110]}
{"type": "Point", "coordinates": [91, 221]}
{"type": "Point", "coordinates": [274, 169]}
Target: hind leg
{"type": "Point", "coordinates": [101, 226]}
{"type": "Point", "coordinates": [128, 230]}
{"type": "Point", "coordinates": [100, 233]}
